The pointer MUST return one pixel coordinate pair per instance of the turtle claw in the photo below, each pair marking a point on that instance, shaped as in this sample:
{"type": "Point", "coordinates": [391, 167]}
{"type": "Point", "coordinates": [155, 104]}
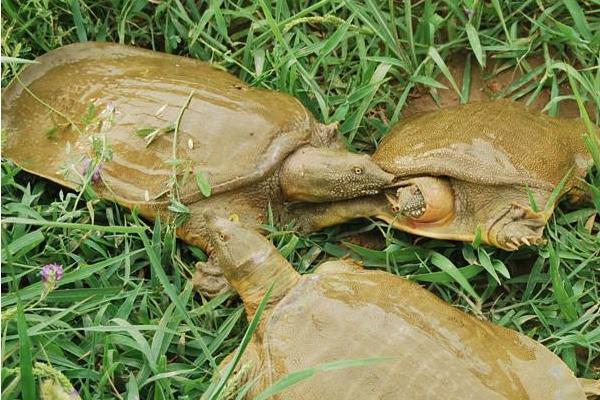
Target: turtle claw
{"type": "Point", "coordinates": [521, 226]}
{"type": "Point", "coordinates": [209, 279]}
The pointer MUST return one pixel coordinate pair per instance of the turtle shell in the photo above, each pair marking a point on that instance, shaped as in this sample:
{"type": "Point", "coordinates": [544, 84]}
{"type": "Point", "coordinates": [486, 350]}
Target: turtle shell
{"type": "Point", "coordinates": [415, 345]}
{"type": "Point", "coordinates": [115, 94]}
{"type": "Point", "coordinates": [493, 143]}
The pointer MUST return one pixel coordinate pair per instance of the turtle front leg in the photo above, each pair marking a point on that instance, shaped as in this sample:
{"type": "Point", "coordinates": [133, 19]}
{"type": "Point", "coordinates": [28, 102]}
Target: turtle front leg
{"type": "Point", "coordinates": [519, 226]}
{"type": "Point", "coordinates": [209, 279]}
{"type": "Point", "coordinates": [313, 217]}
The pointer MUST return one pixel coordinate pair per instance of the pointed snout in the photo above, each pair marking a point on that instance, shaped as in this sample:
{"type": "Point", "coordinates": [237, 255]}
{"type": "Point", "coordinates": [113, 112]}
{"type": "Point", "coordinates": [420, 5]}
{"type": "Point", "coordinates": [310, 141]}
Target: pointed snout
{"type": "Point", "coordinates": [216, 225]}
{"type": "Point", "coordinates": [390, 179]}
{"type": "Point", "coordinates": [383, 178]}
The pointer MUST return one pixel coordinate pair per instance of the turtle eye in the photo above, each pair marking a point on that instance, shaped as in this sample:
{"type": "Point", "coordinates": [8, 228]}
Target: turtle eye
{"type": "Point", "coordinates": [357, 170]}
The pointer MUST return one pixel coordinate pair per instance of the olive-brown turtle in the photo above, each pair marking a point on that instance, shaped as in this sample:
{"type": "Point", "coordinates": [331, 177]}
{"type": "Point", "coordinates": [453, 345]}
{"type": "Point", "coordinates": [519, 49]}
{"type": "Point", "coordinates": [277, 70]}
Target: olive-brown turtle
{"type": "Point", "coordinates": [484, 169]}
{"type": "Point", "coordinates": [487, 166]}
{"type": "Point", "coordinates": [155, 125]}
{"type": "Point", "coordinates": [469, 168]}
{"type": "Point", "coordinates": [422, 347]}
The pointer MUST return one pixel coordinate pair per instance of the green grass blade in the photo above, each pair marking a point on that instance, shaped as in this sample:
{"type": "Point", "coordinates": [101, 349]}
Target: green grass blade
{"type": "Point", "coordinates": [28, 385]}
{"type": "Point", "coordinates": [469, 272]}
{"type": "Point", "coordinates": [448, 267]}
{"type": "Point", "coordinates": [80, 274]}
{"type": "Point", "coordinates": [330, 44]}
{"type": "Point", "coordinates": [427, 81]}
{"type": "Point", "coordinates": [16, 60]}
{"type": "Point", "coordinates": [498, 9]}
{"type": "Point", "coordinates": [557, 191]}
{"type": "Point", "coordinates": [23, 244]}
{"type": "Point", "coordinates": [382, 31]}
{"type": "Point", "coordinates": [558, 284]}
{"type": "Point", "coordinates": [437, 59]}
{"type": "Point", "coordinates": [409, 31]}
{"type": "Point", "coordinates": [579, 18]}
{"type": "Point", "coordinates": [374, 83]}
{"type": "Point", "coordinates": [473, 37]}
{"type": "Point", "coordinates": [466, 81]}
{"type": "Point", "coordinates": [69, 225]}
{"type": "Point", "coordinates": [144, 347]}
{"type": "Point", "coordinates": [486, 263]}
{"type": "Point", "coordinates": [78, 20]}
{"type": "Point", "coordinates": [593, 145]}
{"type": "Point", "coordinates": [215, 390]}
{"type": "Point", "coordinates": [158, 270]}
{"type": "Point", "coordinates": [202, 183]}
{"type": "Point", "coordinates": [133, 391]}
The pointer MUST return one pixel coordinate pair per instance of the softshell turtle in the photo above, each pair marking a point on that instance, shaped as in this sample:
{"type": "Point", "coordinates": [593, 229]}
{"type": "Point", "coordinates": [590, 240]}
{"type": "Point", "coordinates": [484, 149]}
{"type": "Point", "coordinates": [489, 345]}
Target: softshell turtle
{"type": "Point", "coordinates": [426, 348]}
{"type": "Point", "coordinates": [256, 148]}
{"type": "Point", "coordinates": [484, 156]}
{"type": "Point", "coordinates": [476, 168]}
{"type": "Point", "coordinates": [477, 165]}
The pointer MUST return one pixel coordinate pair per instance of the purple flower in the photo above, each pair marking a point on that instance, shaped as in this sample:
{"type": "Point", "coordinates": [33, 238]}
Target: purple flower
{"type": "Point", "coordinates": [52, 273]}
{"type": "Point", "coordinates": [87, 163]}
{"type": "Point", "coordinates": [96, 174]}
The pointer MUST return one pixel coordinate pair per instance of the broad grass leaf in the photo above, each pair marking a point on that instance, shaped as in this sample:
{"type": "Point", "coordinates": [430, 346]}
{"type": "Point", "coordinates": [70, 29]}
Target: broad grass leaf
{"type": "Point", "coordinates": [473, 37]}
{"type": "Point", "coordinates": [448, 267]}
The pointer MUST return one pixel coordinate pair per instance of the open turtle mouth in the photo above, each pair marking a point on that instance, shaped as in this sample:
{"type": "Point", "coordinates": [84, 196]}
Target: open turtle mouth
{"type": "Point", "coordinates": [414, 206]}
{"type": "Point", "coordinates": [407, 201]}
{"type": "Point", "coordinates": [423, 199]}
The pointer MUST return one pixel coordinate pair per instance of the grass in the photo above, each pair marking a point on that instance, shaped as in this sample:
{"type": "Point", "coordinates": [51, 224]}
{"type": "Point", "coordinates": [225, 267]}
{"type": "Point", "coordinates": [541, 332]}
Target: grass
{"type": "Point", "coordinates": [124, 321]}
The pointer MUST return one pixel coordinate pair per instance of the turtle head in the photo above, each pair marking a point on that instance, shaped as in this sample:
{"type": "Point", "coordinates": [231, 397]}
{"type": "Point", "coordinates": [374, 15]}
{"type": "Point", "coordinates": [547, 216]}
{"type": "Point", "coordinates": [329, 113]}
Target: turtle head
{"type": "Point", "coordinates": [424, 200]}
{"type": "Point", "coordinates": [250, 263]}
{"type": "Point", "coordinates": [323, 174]}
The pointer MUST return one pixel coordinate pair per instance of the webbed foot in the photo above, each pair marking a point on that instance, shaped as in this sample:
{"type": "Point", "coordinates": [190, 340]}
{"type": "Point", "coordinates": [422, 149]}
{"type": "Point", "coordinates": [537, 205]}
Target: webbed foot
{"type": "Point", "coordinates": [521, 227]}
{"type": "Point", "coordinates": [209, 279]}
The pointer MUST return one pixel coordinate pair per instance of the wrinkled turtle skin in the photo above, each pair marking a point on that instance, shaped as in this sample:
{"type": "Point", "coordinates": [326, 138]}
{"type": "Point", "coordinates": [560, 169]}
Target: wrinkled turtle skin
{"type": "Point", "coordinates": [425, 349]}
{"type": "Point", "coordinates": [255, 147]}
{"type": "Point", "coordinates": [471, 166]}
